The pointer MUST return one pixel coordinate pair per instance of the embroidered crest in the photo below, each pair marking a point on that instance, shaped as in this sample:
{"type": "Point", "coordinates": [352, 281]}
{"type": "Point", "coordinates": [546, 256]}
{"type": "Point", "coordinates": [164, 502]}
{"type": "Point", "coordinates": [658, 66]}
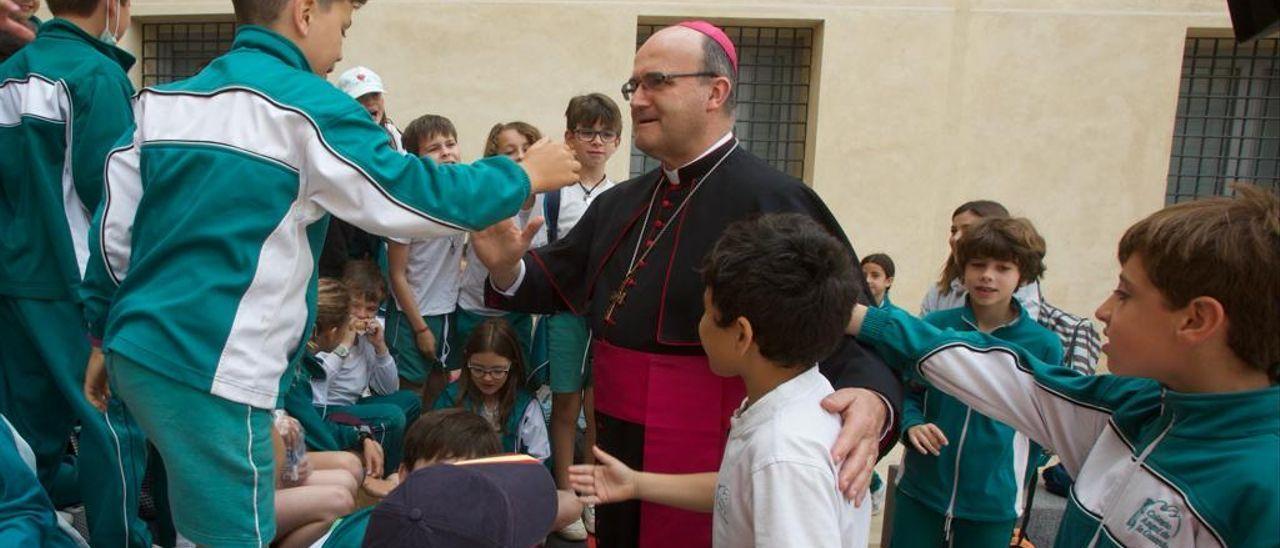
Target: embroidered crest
{"type": "Point", "coordinates": [360, 76]}
{"type": "Point", "coordinates": [1157, 521]}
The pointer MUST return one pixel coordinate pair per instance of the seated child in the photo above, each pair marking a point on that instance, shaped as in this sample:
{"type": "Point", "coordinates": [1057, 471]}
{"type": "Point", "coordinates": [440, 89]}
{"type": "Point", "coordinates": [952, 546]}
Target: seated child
{"type": "Point", "coordinates": [337, 431]}
{"type": "Point", "coordinates": [492, 386]}
{"type": "Point", "coordinates": [443, 436]}
{"type": "Point", "coordinates": [962, 483]}
{"type": "Point", "coordinates": [308, 503]}
{"type": "Point", "coordinates": [362, 362]}
{"type": "Point", "coordinates": [1181, 445]}
{"type": "Point", "coordinates": [426, 275]}
{"type": "Point", "coordinates": [777, 288]}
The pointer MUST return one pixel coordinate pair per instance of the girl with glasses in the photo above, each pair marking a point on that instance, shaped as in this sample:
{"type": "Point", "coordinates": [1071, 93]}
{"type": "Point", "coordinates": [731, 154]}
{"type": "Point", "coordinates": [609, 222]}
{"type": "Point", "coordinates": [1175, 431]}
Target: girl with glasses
{"type": "Point", "coordinates": [492, 386]}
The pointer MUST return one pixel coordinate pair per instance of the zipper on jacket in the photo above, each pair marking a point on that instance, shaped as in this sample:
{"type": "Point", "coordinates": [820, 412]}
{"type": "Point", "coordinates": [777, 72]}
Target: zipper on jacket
{"type": "Point", "coordinates": [955, 481]}
{"type": "Point", "coordinates": [1142, 457]}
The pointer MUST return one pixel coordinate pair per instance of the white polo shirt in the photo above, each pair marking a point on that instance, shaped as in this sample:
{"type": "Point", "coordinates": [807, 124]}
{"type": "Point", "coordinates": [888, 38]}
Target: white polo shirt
{"type": "Point", "coordinates": [777, 482]}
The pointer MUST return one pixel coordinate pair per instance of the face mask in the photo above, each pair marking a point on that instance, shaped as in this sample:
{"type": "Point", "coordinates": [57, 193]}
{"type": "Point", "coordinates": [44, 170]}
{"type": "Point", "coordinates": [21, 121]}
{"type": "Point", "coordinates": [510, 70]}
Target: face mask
{"type": "Point", "coordinates": [108, 35]}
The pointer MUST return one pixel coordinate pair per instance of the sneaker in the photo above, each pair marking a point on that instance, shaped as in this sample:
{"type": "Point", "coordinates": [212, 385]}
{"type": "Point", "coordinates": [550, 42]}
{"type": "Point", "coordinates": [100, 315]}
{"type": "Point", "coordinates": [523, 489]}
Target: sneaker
{"type": "Point", "coordinates": [877, 500]}
{"type": "Point", "coordinates": [575, 531]}
{"type": "Point", "coordinates": [589, 518]}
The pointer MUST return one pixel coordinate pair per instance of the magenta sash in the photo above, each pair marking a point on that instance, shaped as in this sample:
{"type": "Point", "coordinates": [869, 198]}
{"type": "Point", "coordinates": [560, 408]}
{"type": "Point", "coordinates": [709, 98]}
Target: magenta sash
{"type": "Point", "coordinates": [685, 410]}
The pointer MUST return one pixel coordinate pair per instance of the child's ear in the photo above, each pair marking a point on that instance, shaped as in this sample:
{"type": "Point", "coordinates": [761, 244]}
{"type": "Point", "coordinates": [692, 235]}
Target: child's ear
{"type": "Point", "coordinates": [888, 281]}
{"type": "Point", "coordinates": [746, 335]}
{"type": "Point", "coordinates": [300, 11]}
{"type": "Point", "coordinates": [1203, 318]}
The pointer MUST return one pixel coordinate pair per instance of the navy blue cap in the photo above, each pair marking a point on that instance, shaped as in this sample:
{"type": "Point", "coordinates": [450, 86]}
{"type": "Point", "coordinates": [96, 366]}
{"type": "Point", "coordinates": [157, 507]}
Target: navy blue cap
{"type": "Point", "coordinates": [496, 502]}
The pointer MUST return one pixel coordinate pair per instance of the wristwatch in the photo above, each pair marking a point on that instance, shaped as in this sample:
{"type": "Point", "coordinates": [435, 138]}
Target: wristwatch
{"type": "Point", "coordinates": [363, 433]}
{"type": "Point", "coordinates": [342, 351]}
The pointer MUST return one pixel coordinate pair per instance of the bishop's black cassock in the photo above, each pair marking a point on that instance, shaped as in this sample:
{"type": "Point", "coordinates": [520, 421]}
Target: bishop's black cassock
{"type": "Point", "coordinates": [658, 406]}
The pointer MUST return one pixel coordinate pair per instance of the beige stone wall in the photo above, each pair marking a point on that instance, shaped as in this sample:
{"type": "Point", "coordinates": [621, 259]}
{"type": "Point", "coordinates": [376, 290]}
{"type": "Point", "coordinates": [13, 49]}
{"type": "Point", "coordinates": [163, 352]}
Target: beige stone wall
{"type": "Point", "coordinates": [1061, 109]}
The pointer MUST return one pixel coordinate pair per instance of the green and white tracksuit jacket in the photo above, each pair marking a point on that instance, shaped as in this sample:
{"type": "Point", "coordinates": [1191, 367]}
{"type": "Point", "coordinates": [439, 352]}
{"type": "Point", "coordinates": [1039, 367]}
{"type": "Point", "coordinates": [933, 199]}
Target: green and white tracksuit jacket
{"type": "Point", "coordinates": [64, 102]}
{"type": "Point", "coordinates": [215, 208]}
{"type": "Point", "coordinates": [1153, 467]}
{"type": "Point", "coordinates": [980, 473]}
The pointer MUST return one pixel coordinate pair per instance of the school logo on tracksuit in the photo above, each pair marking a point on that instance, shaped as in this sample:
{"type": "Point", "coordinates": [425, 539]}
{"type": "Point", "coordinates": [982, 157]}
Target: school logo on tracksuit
{"type": "Point", "coordinates": [1157, 521]}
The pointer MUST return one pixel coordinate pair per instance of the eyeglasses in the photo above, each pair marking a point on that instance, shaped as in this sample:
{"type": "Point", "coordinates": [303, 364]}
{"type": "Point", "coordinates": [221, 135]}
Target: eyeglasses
{"type": "Point", "coordinates": [655, 80]}
{"type": "Point", "coordinates": [495, 372]}
{"type": "Point", "coordinates": [587, 135]}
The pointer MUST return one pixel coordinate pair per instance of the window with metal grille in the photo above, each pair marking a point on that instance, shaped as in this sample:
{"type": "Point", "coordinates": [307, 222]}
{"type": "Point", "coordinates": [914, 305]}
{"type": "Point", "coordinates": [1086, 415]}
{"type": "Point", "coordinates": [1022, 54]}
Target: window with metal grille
{"type": "Point", "coordinates": [774, 70]}
{"type": "Point", "coordinates": [1228, 123]}
{"type": "Point", "coordinates": [173, 51]}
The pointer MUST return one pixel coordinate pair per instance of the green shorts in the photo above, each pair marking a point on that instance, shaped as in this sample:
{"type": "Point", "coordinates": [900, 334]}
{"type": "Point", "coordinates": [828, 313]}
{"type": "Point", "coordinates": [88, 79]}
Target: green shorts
{"type": "Point", "coordinates": [569, 351]}
{"type": "Point", "coordinates": [410, 363]}
{"type": "Point", "coordinates": [217, 455]}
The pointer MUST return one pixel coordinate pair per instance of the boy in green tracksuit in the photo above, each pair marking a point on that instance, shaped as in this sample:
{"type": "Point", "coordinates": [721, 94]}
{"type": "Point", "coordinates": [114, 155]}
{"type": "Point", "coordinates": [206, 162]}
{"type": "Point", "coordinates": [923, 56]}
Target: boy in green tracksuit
{"type": "Point", "coordinates": [202, 281]}
{"type": "Point", "coordinates": [1181, 446]}
{"type": "Point", "coordinates": [963, 473]}
{"type": "Point", "coordinates": [64, 102]}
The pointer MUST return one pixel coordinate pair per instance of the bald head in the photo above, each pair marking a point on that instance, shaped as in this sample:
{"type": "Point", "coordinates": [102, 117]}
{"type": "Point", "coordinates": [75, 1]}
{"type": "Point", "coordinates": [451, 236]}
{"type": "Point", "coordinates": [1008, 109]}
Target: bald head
{"type": "Point", "coordinates": [712, 57]}
{"type": "Point", "coordinates": [679, 119]}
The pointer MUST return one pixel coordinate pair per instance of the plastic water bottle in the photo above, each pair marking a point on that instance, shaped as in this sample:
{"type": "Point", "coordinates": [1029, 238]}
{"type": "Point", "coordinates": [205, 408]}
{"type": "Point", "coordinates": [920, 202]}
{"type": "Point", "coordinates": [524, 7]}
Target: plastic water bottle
{"type": "Point", "coordinates": [295, 451]}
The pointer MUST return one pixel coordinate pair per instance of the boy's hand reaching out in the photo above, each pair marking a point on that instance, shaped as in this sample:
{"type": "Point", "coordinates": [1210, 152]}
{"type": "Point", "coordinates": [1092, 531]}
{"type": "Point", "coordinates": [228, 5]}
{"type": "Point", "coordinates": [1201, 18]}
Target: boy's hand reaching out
{"type": "Point", "coordinates": [609, 481]}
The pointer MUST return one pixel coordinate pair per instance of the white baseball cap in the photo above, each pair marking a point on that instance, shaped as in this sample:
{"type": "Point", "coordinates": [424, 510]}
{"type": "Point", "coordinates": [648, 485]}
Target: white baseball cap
{"type": "Point", "coordinates": [360, 81]}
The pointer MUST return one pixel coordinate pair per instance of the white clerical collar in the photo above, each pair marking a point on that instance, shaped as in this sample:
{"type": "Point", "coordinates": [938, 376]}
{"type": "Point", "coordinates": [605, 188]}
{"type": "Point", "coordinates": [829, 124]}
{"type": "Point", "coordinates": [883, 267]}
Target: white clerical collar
{"type": "Point", "coordinates": [674, 175]}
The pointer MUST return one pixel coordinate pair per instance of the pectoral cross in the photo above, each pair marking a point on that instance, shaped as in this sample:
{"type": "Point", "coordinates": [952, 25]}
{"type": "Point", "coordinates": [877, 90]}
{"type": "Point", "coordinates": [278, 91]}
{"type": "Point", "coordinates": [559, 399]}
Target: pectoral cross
{"type": "Point", "coordinates": [615, 300]}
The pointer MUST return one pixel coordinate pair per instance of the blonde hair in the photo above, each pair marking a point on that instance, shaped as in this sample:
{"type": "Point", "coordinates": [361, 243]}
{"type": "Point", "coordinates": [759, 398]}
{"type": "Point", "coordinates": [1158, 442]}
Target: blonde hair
{"type": "Point", "coordinates": [331, 304]}
{"type": "Point", "coordinates": [526, 130]}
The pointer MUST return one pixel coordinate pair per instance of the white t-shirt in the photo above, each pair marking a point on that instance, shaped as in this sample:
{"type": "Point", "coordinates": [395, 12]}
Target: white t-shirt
{"type": "Point", "coordinates": [777, 482]}
{"type": "Point", "coordinates": [434, 271]}
{"type": "Point", "coordinates": [471, 296]}
{"type": "Point", "coordinates": [574, 201]}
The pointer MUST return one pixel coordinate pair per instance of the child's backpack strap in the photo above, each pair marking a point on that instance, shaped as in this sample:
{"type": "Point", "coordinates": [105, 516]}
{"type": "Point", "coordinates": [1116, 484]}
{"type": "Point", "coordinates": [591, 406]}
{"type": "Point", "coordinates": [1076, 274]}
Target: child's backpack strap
{"type": "Point", "coordinates": [551, 215]}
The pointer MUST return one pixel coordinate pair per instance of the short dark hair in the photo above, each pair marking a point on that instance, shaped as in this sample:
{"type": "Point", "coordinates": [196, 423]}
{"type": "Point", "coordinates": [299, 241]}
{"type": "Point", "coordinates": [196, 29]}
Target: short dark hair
{"type": "Point", "coordinates": [1004, 239]}
{"type": "Point", "coordinates": [883, 261]}
{"type": "Point", "coordinates": [790, 278]}
{"type": "Point", "coordinates": [716, 60]}
{"type": "Point", "coordinates": [265, 12]}
{"type": "Point", "coordinates": [449, 433]}
{"type": "Point", "coordinates": [982, 208]}
{"type": "Point", "coordinates": [423, 128]}
{"type": "Point", "coordinates": [83, 8]}
{"type": "Point", "coordinates": [587, 110]}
